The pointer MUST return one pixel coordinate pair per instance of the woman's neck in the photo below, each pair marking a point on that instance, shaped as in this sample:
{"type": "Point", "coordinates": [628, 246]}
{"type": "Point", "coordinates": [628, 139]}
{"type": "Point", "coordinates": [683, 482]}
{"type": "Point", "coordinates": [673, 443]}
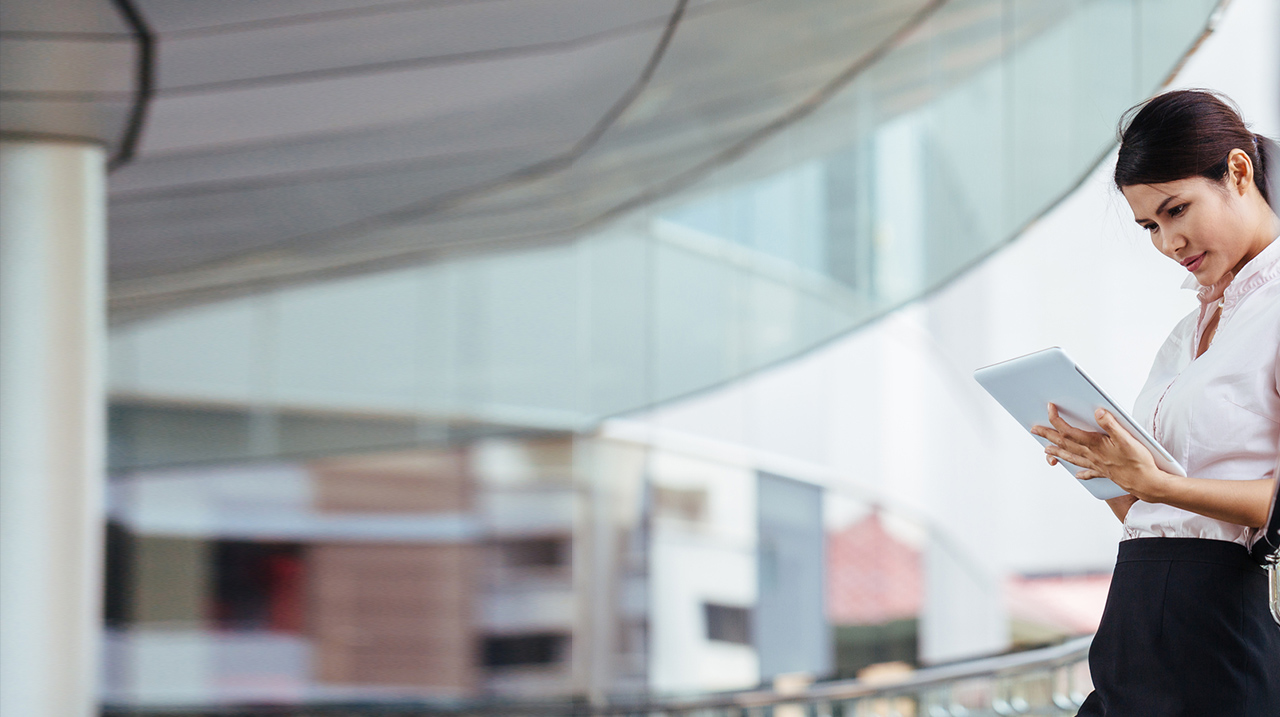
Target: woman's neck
{"type": "Point", "coordinates": [1266, 231]}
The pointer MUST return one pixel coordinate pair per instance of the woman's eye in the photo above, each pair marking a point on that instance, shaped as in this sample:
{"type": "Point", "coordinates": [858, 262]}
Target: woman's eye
{"type": "Point", "coordinates": [1151, 228]}
{"type": "Point", "coordinates": [1177, 210]}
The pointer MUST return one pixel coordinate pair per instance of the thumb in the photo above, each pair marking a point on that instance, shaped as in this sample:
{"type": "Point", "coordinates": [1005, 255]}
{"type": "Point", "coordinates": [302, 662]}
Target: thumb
{"type": "Point", "coordinates": [1109, 424]}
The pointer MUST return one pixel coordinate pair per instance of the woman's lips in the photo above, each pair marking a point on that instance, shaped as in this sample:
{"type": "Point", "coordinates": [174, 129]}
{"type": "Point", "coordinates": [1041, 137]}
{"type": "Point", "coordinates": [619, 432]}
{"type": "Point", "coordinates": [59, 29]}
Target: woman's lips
{"type": "Point", "coordinates": [1194, 263]}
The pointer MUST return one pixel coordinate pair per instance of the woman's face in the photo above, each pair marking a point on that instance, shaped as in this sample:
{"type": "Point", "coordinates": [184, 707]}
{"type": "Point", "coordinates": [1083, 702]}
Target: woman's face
{"type": "Point", "coordinates": [1207, 227]}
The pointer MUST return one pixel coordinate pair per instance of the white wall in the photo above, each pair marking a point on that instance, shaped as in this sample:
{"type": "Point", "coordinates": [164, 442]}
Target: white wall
{"type": "Point", "coordinates": [711, 561]}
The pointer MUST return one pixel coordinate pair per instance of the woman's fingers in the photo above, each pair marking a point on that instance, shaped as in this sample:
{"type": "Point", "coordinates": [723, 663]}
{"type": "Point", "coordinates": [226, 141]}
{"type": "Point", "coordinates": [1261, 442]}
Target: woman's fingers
{"type": "Point", "coordinates": [1127, 450]}
{"type": "Point", "coordinates": [1109, 423]}
{"type": "Point", "coordinates": [1114, 427]}
{"type": "Point", "coordinates": [1062, 453]}
{"type": "Point", "coordinates": [1109, 454]}
{"type": "Point", "coordinates": [1052, 435]}
{"type": "Point", "coordinates": [1079, 447]}
{"type": "Point", "coordinates": [1066, 429]}
{"type": "Point", "coordinates": [1058, 439]}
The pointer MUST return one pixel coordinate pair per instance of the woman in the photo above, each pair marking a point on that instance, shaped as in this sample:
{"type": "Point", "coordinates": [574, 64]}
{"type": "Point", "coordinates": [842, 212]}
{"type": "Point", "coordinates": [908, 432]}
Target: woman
{"type": "Point", "coordinates": [1187, 630]}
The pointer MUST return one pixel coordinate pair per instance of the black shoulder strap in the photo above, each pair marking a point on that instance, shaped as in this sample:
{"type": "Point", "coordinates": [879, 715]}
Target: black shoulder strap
{"type": "Point", "coordinates": [1269, 543]}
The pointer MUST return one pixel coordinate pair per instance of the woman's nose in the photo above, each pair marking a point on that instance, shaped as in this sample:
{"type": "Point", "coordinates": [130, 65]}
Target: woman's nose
{"type": "Point", "coordinates": [1170, 244]}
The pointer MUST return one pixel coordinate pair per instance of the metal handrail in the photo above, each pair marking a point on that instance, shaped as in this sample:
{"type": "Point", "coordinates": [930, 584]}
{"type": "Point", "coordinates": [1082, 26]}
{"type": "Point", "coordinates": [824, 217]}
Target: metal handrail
{"type": "Point", "coordinates": [818, 699]}
{"type": "Point", "coordinates": [1047, 658]}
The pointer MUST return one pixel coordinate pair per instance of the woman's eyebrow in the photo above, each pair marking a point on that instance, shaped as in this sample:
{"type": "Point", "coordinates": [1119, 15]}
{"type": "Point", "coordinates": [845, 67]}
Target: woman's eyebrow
{"type": "Point", "coordinates": [1159, 209]}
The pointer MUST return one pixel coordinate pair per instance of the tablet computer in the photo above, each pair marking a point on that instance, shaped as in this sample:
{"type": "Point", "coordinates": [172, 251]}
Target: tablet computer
{"type": "Point", "coordinates": [1026, 385]}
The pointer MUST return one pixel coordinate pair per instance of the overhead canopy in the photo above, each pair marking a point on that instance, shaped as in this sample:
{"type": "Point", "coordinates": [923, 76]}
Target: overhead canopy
{"type": "Point", "coordinates": [752, 220]}
{"type": "Point", "coordinates": [549, 211]}
{"type": "Point", "coordinates": [265, 142]}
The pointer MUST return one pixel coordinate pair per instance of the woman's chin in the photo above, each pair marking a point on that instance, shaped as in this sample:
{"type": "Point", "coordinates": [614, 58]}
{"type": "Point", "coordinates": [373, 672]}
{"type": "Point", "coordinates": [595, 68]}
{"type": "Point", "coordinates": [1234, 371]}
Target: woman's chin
{"type": "Point", "coordinates": [1208, 276]}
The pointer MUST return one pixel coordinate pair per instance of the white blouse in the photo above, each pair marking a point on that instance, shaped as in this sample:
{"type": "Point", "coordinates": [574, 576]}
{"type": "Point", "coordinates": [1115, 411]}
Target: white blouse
{"type": "Point", "coordinates": [1219, 414]}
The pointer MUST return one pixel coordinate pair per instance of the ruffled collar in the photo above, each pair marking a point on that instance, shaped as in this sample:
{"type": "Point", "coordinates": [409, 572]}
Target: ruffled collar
{"type": "Point", "coordinates": [1231, 287]}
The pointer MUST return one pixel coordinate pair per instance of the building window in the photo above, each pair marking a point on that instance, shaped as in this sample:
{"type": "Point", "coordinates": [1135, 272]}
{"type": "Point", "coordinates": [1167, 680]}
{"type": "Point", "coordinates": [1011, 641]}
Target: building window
{"type": "Point", "coordinates": [534, 553]}
{"type": "Point", "coordinates": [542, 649]}
{"type": "Point", "coordinates": [728, 624]}
{"type": "Point", "coordinates": [259, 586]}
{"type": "Point", "coordinates": [680, 503]}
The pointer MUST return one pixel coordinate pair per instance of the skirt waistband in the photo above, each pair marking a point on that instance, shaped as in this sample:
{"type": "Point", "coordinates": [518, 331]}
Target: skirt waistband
{"type": "Point", "coordinates": [1187, 550]}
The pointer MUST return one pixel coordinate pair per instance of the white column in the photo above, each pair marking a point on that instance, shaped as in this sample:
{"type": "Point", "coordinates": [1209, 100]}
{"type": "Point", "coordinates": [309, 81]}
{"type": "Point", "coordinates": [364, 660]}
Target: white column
{"type": "Point", "coordinates": [52, 427]}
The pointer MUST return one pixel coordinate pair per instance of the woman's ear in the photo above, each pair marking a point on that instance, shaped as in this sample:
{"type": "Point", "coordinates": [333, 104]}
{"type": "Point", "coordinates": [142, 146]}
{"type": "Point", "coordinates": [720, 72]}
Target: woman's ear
{"type": "Point", "coordinates": [1239, 171]}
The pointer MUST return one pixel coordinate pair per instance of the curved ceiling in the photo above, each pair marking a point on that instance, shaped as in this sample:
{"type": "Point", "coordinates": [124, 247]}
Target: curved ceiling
{"type": "Point", "coordinates": [259, 143]}
{"type": "Point", "coordinates": [770, 205]}
{"type": "Point", "coordinates": [274, 141]}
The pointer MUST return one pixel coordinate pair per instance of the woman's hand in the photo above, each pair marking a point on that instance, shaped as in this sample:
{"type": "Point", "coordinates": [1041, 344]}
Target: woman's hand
{"type": "Point", "coordinates": [1119, 456]}
{"type": "Point", "coordinates": [1115, 454]}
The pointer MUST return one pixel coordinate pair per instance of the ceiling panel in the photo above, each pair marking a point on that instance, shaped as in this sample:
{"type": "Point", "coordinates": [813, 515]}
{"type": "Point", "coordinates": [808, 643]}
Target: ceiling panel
{"type": "Point", "coordinates": [346, 133]}
{"type": "Point", "coordinates": [496, 119]}
{"type": "Point", "coordinates": [421, 35]}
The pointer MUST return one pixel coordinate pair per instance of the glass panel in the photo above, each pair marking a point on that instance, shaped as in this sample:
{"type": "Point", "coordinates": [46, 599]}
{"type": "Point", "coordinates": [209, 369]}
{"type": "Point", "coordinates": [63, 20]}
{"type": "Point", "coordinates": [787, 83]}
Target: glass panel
{"type": "Point", "coordinates": [369, 353]}
{"type": "Point", "coordinates": [1040, 138]}
{"type": "Point", "coordinates": [618, 272]}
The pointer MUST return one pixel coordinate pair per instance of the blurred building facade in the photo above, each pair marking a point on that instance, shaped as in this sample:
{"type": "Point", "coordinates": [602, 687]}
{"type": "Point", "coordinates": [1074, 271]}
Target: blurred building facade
{"type": "Point", "coordinates": [520, 566]}
{"type": "Point", "coordinates": [446, 572]}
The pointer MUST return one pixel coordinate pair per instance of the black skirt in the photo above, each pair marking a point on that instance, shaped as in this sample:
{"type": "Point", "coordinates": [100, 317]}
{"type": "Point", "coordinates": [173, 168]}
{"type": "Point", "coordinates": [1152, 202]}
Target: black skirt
{"type": "Point", "coordinates": [1186, 631]}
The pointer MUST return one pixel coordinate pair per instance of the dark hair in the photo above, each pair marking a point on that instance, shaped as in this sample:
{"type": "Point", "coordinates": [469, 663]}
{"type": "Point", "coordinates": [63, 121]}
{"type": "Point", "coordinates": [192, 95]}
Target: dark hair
{"type": "Point", "coordinates": [1187, 133]}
